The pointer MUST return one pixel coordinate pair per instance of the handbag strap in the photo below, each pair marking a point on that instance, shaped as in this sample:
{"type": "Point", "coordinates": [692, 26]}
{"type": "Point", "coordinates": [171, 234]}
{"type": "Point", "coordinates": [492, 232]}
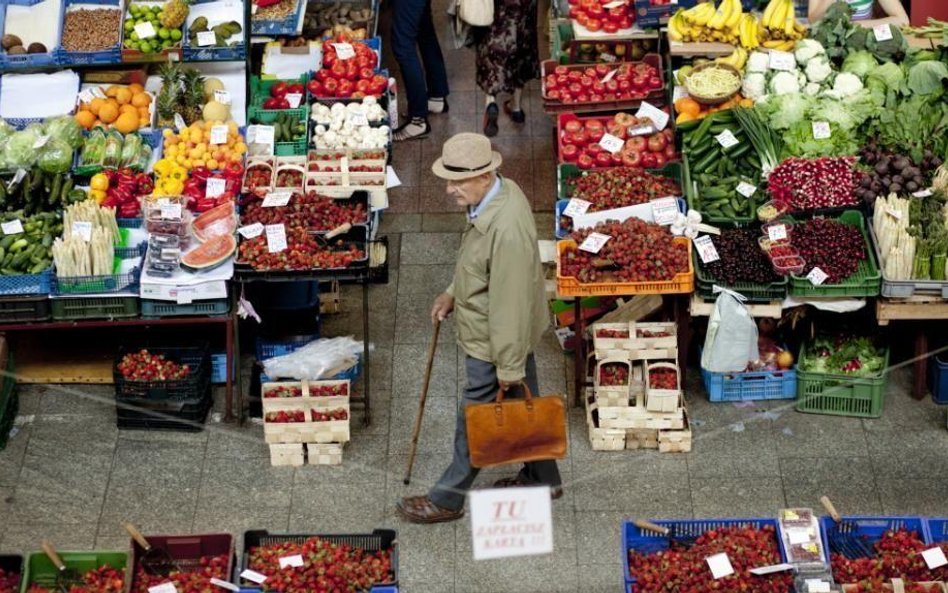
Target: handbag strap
{"type": "Point", "coordinates": [527, 394]}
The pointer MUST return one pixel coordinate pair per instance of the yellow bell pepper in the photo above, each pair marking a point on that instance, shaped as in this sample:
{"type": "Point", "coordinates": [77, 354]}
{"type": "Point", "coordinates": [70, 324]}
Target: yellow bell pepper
{"type": "Point", "coordinates": [99, 182]}
{"type": "Point", "coordinates": [97, 194]}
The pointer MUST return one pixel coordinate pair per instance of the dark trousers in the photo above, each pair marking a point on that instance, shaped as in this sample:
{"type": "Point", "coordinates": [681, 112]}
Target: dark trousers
{"type": "Point", "coordinates": [482, 387]}
{"type": "Point", "coordinates": [413, 32]}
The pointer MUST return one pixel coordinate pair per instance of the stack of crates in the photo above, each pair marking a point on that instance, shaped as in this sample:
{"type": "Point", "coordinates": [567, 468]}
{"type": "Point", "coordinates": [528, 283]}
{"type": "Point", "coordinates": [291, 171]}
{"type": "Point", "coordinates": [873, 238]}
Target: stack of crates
{"type": "Point", "coordinates": [627, 410]}
{"type": "Point", "coordinates": [306, 421]}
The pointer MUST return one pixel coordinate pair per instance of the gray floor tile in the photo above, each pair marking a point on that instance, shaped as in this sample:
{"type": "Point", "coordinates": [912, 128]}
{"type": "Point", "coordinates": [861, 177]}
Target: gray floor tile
{"type": "Point", "coordinates": [251, 487]}
{"type": "Point", "coordinates": [640, 482]}
{"type": "Point", "coordinates": [913, 497]}
{"type": "Point", "coordinates": [364, 462]}
{"type": "Point", "coordinates": [426, 552]}
{"type": "Point", "coordinates": [430, 248]}
{"type": "Point", "coordinates": [409, 369]}
{"type": "Point", "coordinates": [413, 323]}
{"type": "Point", "coordinates": [31, 398]}
{"type": "Point", "coordinates": [722, 497]}
{"type": "Point", "coordinates": [444, 223]}
{"type": "Point", "coordinates": [733, 450]}
{"type": "Point", "coordinates": [227, 518]}
{"type": "Point", "coordinates": [27, 537]}
{"type": "Point", "coordinates": [553, 572]}
{"type": "Point", "coordinates": [330, 506]}
{"type": "Point", "coordinates": [849, 483]}
{"type": "Point", "coordinates": [813, 435]}
{"type": "Point", "coordinates": [437, 426]}
{"type": "Point", "coordinates": [77, 399]}
{"type": "Point", "coordinates": [424, 282]}
{"type": "Point", "coordinates": [600, 578]}
{"type": "Point", "coordinates": [425, 473]}
{"type": "Point", "coordinates": [400, 223]}
{"type": "Point", "coordinates": [69, 488]}
{"type": "Point", "coordinates": [927, 459]}
{"type": "Point", "coordinates": [231, 442]}
{"type": "Point", "coordinates": [598, 537]}
{"type": "Point", "coordinates": [52, 434]}
{"type": "Point", "coordinates": [11, 458]}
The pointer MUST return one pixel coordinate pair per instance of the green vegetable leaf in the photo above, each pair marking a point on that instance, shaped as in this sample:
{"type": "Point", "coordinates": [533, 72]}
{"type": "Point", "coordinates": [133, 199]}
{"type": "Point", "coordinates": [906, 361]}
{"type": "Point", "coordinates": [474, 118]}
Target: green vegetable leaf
{"type": "Point", "coordinates": [926, 78]}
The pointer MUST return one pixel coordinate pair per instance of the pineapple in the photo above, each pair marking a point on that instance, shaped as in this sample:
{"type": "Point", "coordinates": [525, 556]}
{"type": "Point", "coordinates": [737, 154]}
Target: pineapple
{"type": "Point", "coordinates": [192, 86]}
{"type": "Point", "coordinates": [168, 100]}
{"type": "Point", "coordinates": [173, 13]}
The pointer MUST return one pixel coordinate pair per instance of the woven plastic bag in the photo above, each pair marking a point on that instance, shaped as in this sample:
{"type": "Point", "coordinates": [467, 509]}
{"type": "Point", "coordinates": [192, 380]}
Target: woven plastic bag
{"type": "Point", "coordinates": [320, 359]}
{"type": "Point", "coordinates": [732, 335]}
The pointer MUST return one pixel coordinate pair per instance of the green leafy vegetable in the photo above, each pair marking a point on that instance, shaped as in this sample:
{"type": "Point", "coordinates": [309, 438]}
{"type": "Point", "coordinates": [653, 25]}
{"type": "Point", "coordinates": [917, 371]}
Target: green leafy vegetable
{"type": "Point", "coordinates": [860, 63]}
{"type": "Point", "coordinates": [927, 78]}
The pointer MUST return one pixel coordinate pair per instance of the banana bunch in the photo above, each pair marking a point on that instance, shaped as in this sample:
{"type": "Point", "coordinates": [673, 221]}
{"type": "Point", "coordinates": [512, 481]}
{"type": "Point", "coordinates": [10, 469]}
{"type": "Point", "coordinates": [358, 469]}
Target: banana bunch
{"type": "Point", "coordinates": [737, 58]}
{"type": "Point", "coordinates": [778, 27]}
{"type": "Point", "coordinates": [704, 22]}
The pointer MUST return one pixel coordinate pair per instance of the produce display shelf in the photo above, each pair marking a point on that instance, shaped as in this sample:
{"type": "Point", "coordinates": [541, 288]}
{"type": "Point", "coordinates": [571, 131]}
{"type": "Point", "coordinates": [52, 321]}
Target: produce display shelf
{"type": "Point", "coordinates": [563, 118]}
{"type": "Point", "coordinates": [153, 309]}
{"type": "Point", "coordinates": [568, 50]}
{"type": "Point", "coordinates": [841, 395]}
{"type": "Point", "coordinates": [9, 403]}
{"type": "Point", "coordinates": [356, 271]}
{"type": "Point", "coordinates": [40, 570]}
{"type": "Point", "coordinates": [750, 385]}
{"type": "Point", "coordinates": [94, 307]}
{"type": "Point", "coordinates": [904, 289]}
{"type": "Point", "coordinates": [26, 284]}
{"type": "Point", "coordinates": [656, 97]}
{"type": "Point", "coordinates": [864, 282]}
{"type": "Point", "coordinates": [192, 387]}
{"type": "Point", "coordinates": [755, 293]}
{"type": "Point", "coordinates": [378, 540]}
{"type": "Point", "coordinates": [284, 26]}
{"type": "Point", "coordinates": [561, 233]}
{"type": "Point", "coordinates": [565, 174]}
{"type": "Point", "coordinates": [871, 529]}
{"type": "Point", "coordinates": [260, 88]}
{"type": "Point", "coordinates": [24, 308]}
{"type": "Point", "coordinates": [112, 55]}
{"type": "Point", "coordinates": [25, 61]}
{"type": "Point", "coordinates": [115, 282]}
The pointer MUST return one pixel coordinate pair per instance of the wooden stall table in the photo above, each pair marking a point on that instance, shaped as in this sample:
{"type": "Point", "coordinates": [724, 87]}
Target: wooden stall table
{"type": "Point", "coordinates": [919, 310]}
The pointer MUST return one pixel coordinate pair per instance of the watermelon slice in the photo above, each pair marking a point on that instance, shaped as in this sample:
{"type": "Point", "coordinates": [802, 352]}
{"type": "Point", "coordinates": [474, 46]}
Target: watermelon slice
{"type": "Point", "coordinates": [210, 254]}
{"type": "Point", "coordinates": [220, 220]}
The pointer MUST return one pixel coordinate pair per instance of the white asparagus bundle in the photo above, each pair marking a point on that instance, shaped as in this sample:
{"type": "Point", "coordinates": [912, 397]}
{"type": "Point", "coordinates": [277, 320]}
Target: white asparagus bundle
{"type": "Point", "coordinates": [92, 212]}
{"type": "Point", "coordinates": [896, 246]}
{"type": "Point", "coordinates": [75, 257]}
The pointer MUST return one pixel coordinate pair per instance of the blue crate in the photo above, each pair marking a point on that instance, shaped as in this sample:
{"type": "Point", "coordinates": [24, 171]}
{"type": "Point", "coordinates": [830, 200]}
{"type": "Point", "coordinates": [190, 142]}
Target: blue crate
{"type": "Point", "coordinates": [561, 206]}
{"type": "Point", "coordinates": [938, 379]}
{"type": "Point", "coordinates": [286, 26]}
{"type": "Point", "coordinates": [112, 55]}
{"type": "Point", "coordinates": [230, 54]}
{"type": "Point", "coordinates": [871, 529]}
{"type": "Point", "coordinates": [27, 283]}
{"type": "Point", "coordinates": [644, 541]}
{"type": "Point", "coordinates": [23, 61]}
{"type": "Point", "coordinates": [750, 386]}
{"type": "Point", "coordinates": [938, 530]}
{"type": "Point", "coordinates": [219, 367]}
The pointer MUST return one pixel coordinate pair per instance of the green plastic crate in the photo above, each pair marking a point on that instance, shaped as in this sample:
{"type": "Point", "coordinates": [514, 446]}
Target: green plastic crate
{"type": "Point", "coordinates": [867, 280]}
{"type": "Point", "coordinates": [840, 395]}
{"type": "Point", "coordinates": [690, 188]}
{"type": "Point", "coordinates": [755, 293]}
{"type": "Point", "coordinates": [265, 117]}
{"type": "Point", "coordinates": [568, 171]}
{"type": "Point", "coordinates": [9, 402]}
{"type": "Point", "coordinates": [117, 307]}
{"type": "Point", "coordinates": [260, 88]}
{"type": "Point", "coordinates": [39, 569]}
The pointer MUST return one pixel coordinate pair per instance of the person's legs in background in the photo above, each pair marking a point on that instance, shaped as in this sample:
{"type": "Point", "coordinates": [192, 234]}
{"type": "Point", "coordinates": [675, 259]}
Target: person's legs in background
{"type": "Point", "coordinates": [406, 25]}
{"type": "Point", "coordinates": [436, 74]}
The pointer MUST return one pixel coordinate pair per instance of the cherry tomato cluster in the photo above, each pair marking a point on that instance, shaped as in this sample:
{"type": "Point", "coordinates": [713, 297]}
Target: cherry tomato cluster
{"type": "Point", "coordinates": [278, 93]}
{"type": "Point", "coordinates": [602, 82]}
{"type": "Point", "coordinates": [637, 251]}
{"type": "Point", "coordinates": [644, 147]}
{"type": "Point", "coordinates": [303, 252]}
{"type": "Point", "coordinates": [185, 581]}
{"type": "Point", "coordinates": [687, 569]}
{"type": "Point", "coordinates": [326, 567]}
{"type": "Point", "coordinates": [613, 374]}
{"type": "Point", "coordinates": [662, 379]}
{"type": "Point", "coordinates": [596, 16]}
{"type": "Point", "coordinates": [145, 366]}
{"type": "Point", "coordinates": [9, 581]}
{"type": "Point", "coordinates": [284, 391]}
{"type": "Point", "coordinates": [612, 333]}
{"type": "Point", "coordinates": [898, 555]}
{"type": "Point", "coordinates": [309, 211]}
{"type": "Point", "coordinates": [104, 579]}
{"type": "Point", "coordinates": [344, 76]}
{"type": "Point", "coordinates": [328, 390]}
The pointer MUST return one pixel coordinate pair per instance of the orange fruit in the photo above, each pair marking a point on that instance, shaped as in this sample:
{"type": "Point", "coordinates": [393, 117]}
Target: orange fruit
{"type": "Point", "coordinates": [136, 88]}
{"type": "Point", "coordinates": [108, 113]}
{"type": "Point", "coordinates": [123, 96]}
{"type": "Point", "coordinates": [112, 90]}
{"type": "Point", "coordinates": [95, 105]}
{"type": "Point", "coordinates": [85, 118]}
{"type": "Point", "coordinates": [128, 109]}
{"type": "Point", "coordinates": [141, 100]}
{"type": "Point", "coordinates": [126, 123]}
{"type": "Point", "coordinates": [688, 105]}
{"type": "Point", "coordinates": [143, 112]}
{"type": "Point", "coordinates": [143, 122]}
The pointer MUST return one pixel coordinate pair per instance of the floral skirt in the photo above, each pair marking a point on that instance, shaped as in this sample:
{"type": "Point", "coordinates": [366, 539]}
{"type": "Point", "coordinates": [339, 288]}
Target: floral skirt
{"type": "Point", "coordinates": [507, 55]}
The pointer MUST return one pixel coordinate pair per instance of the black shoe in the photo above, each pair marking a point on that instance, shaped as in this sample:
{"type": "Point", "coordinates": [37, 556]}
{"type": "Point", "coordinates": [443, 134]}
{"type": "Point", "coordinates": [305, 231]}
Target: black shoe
{"type": "Point", "coordinates": [437, 106]}
{"type": "Point", "coordinates": [490, 120]}
{"type": "Point", "coordinates": [518, 116]}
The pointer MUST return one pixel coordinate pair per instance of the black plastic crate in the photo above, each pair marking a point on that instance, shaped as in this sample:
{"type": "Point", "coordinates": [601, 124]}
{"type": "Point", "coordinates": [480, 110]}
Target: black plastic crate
{"type": "Point", "coordinates": [379, 539]}
{"type": "Point", "coordinates": [12, 564]}
{"type": "Point", "coordinates": [24, 308]}
{"type": "Point", "coordinates": [189, 388]}
{"type": "Point", "coordinates": [151, 415]}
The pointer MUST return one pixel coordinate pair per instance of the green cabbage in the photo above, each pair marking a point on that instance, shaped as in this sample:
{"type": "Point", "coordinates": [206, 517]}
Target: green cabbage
{"type": "Point", "coordinates": [926, 78]}
{"type": "Point", "coordinates": [55, 156]}
{"type": "Point", "coordinates": [799, 141]}
{"type": "Point", "coordinates": [860, 63]}
{"type": "Point", "coordinates": [783, 111]}
{"type": "Point", "coordinates": [66, 128]}
{"type": "Point", "coordinates": [848, 113]}
{"type": "Point", "coordinates": [18, 152]}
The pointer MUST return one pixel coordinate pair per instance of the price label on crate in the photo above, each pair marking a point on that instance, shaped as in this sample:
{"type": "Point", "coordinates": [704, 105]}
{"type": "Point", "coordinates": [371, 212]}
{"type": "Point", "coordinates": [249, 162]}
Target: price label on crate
{"type": "Point", "coordinates": [251, 230]}
{"type": "Point", "coordinates": [746, 189]}
{"type": "Point", "coordinates": [762, 570]}
{"type": "Point", "coordinates": [206, 38]}
{"type": "Point", "coordinates": [817, 586]}
{"type": "Point", "coordinates": [706, 251]}
{"type": "Point", "coordinates": [344, 51]}
{"type": "Point", "coordinates": [179, 123]}
{"type": "Point", "coordinates": [185, 296]}
{"type": "Point", "coordinates": [276, 199]}
{"type": "Point", "coordinates": [145, 30]}
{"type": "Point", "coordinates": [218, 134]}
{"type": "Point", "coordinates": [817, 276]}
{"type": "Point", "coordinates": [171, 211]}
{"type": "Point", "coordinates": [821, 130]}
{"type": "Point", "coordinates": [664, 210]}
{"type": "Point", "coordinates": [224, 584]}
{"type": "Point", "coordinates": [260, 135]}
{"type": "Point", "coordinates": [896, 214]}
{"type": "Point", "coordinates": [294, 99]}
{"type": "Point", "coordinates": [610, 143]}
{"type": "Point", "coordinates": [83, 229]}
{"type": "Point", "coordinates": [576, 207]}
{"type": "Point", "coordinates": [14, 227]}
{"type": "Point", "coordinates": [40, 142]}
{"type": "Point", "coordinates": [222, 97]}
{"type": "Point", "coordinates": [640, 130]}
{"type": "Point", "coordinates": [253, 576]}
{"type": "Point", "coordinates": [658, 117]}
{"type": "Point", "coordinates": [98, 93]}
{"type": "Point", "coordinates": [276, 237]}
{"type": "Point", "coordinates": [163, 588]}
{"type": "Point", "coordinates": [607, 57]}
{"type": "Point", "coordinates": [609, 75]}
{"type": "Point", "coordinates": [594, 242]}
{"type": "Point", "coordinates": [215, 187]}
{"type": "Point", "coordinates": [782, 60]}
{"type": "Point", "coordinates": [391, 178]}
{"type": "Point", "coordinates": [679, 92]}
{"type": "Point", "coordinates": [777, 232]}
{"type": "Point", "coordinates": [934, 558]}
{"type": "Point", "coordinates": [727, 139]}
{"type": "Point", "coordinates": [923, 193]}
{"type": "Point", "coordinates": [720, 565]}
{"type": "Point", "coordinates": [19, 176]}
{"type": "Point", "coordinates": [86, 96]}
{"type": "Point", "coordinates": [798, 536]}
{"type": "Point", "coordinates": [615, 4]}
{"type": "Point", "coordinates": [358, 117]}
{"type": "Point", "coordinates": [882, 32]}
{"type": "Point", "coordinates": [294, 561]}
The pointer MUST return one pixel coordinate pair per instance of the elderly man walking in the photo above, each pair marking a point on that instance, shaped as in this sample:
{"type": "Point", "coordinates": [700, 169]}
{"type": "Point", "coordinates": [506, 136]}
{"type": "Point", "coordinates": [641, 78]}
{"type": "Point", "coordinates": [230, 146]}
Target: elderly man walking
{"type": "Point", "coordinates": [498, 298]}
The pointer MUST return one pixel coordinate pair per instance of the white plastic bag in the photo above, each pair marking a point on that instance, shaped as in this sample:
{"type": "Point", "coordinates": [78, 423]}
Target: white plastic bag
{"type": "Point", "coordinates": [320, 359]}
{"type": "Point", "coordinates": [732, 335]}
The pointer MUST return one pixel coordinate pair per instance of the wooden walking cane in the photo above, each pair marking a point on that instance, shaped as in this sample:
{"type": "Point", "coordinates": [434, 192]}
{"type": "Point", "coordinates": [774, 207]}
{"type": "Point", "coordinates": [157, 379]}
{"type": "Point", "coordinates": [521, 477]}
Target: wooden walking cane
{"type": "Point", "coordinates": [421, 403]}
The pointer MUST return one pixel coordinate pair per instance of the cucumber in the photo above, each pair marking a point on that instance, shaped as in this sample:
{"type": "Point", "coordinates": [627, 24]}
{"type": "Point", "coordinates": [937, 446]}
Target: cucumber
{"type": "Point", "coordinates": [729, 212]}
{"type": "Point", "coordinates": [705, 163]}
{"type": "Point", "coordinates": [701, 131]}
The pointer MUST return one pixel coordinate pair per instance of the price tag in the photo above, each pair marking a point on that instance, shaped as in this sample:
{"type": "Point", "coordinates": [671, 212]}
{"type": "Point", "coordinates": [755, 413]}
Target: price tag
{"type": "Point", "coordinates": [83, 229]}
{"type": "Point", "coordinates": [817, 586]}
{"type": "Point", "coordinates": [896, 214]}
{"type": "Point", "coordinates": [185, 296]}
{"type": "Point", "coordinates": [614, 4]}
{"type": "Point", "coordinates": [293, 99]}
{"type": "Point", "coordinates": [708, 254]}
{"type": "Point", "coordinates": [179, 122]}
{"type": "Point", "coordinates": [499, 513]}
{"type": "Point", "coordinates": [295, 561]}
{"type": "Point", "coordinates": [658, 117]}
{"type": "Point", "coordinates": [798, 536]}
{"type": "Point", "coordinates": [882, 32]}
{"type": "Point", "coordinates": [817, 276]}
{"type": "Point", "coordinates": [86, 96]}
{"type": "Point", "coordinates": [206, 38]}
{"type": "Point", "coordinates": [98, 93]}
{"type": "Point", "coordinates": [607, 58]}
{"type": "Point", "coordinates": [640, 130]}
{"type": "Point", "coordinates": [250, 231]}
{"type": "Point", "coordinates": [276, 199]}
{"type": "Point", "coordinates": [665, 210]}
{"type": "Point", "coordinates": [218, 134]}
{"type": "Point", "coordinates": [610, 143]}
{"type": "Point", "coordinates": [821, 130]}
{"type": "Point", "coordinates": [923, 193]}
{"type": "Point", "coordinates": [777, 232]}
{"type": "Point", "coordinates": [609, 75]}
{"type": "Point", "coordinates": [145, 30]}
{"type": "Point", "coordinates": [344, 51]}
{"type": "Point", "coordinates": [253, 575]}
{"type": "Point", "coordinates": [720, 565]}
{"type": "Point", "coordinates": [576, 207]}
{"type": "Point", "coordinates": [782, 60]}
{"type": "Point", "coordinates": [215, 187]}
{"type": "Point", "coordinates": [222, 97]}
{"type": "Point", "coordinates": [253, 9]}
{"type": "Point", "coordinates": [171, 210]}
{"type": "Point", "coordinates": [594, 242]}
{"type": "Point", "coordinates": [163, 588]}
{"type": "Point", "coordinates": [170, 253]}
{"type": "Point", "coordinates": [260, 134]}
{"type": "Point", "coordinates": [771, 569]}
{"type": "Point", "coordinates": [934, 558]}
{"type": "Point", "coordinates": [40, 142]}
{"type": "Point", "coordinates": [276, 242]}
{"type": "Point", "coordinates": [14, 227]}
{"type": "Point", "coordinates": [358, 117]}
{"type": "Point", "coordinates": [679, 92]}
{"type": "Point", "coordinates": [224, 584]}
{"type": "Point", "coordinates": [391, 178]}
{"type": "Point", "coordinates": [727, 139]}
{"type": "Point", "coordinates": [746, 189]}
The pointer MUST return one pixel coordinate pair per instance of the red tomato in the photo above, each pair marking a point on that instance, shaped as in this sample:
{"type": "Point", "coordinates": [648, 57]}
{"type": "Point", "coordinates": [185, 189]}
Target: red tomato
{"type": "Point", "coordinates": [670, 152]}
{"type": "Point", "coordinates": [636, 143]}
{"type": "Point", "coordinates": [569, 152]}
{"type": "Point", "coordinates": [660, 159]}
{"type": "Point", "coordinates": [594, 25]}
{"type": "Point", "coordinates": [573, 126]}
{"type": "Point", "coordinates": [657, 142]}
{"type": "Point", "coordinates": [649, 160]}
{"type": "Point", "coordinates": [578, 138]}
{"type": "Point", "coordinates": [610, 27]}
{"type": "Point", "coordinates": [631, 158]}
{"type": "Point", "coordinates": [603, 159]}
{"type": "Point", "coordinates": [585, 161]}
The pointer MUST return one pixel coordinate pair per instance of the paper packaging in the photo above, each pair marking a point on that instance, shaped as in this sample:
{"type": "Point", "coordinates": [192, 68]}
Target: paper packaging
{"type": "Point", "coordinates": [215, 289]}
{"type": "Point", "coordinates": [38, 95]}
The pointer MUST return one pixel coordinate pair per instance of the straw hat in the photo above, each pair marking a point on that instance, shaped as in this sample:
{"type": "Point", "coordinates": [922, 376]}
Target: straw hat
{"type": "Point", "coordinates": [464, 156]}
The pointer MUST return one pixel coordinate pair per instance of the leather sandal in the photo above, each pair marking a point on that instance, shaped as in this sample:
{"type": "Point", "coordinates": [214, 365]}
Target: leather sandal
{"type": "Point", "coordinates": [516, 482]}
{"type": "Point", "coordinates": [420, 509]}
{"type": "Point", "coordinates": [518, 116]}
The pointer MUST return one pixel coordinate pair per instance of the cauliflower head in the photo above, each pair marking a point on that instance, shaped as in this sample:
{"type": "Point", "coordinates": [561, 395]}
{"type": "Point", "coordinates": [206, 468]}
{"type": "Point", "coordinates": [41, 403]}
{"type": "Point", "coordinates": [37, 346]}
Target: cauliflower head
{"type": "Point", "coordinates": [784, 82]}
{"type": "Point", "coordinates": [818, 69]}
{"type": "Point", "coordinates": [757, 62]}
{"type": "Point", "coordinates": [807, 49]}
{"type": "Point", "coordinates": [754, 85]}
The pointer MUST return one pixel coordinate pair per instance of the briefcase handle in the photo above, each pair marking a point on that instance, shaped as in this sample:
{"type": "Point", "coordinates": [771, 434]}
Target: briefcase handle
{"type": "Point", "coordinates": [527, 394]}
